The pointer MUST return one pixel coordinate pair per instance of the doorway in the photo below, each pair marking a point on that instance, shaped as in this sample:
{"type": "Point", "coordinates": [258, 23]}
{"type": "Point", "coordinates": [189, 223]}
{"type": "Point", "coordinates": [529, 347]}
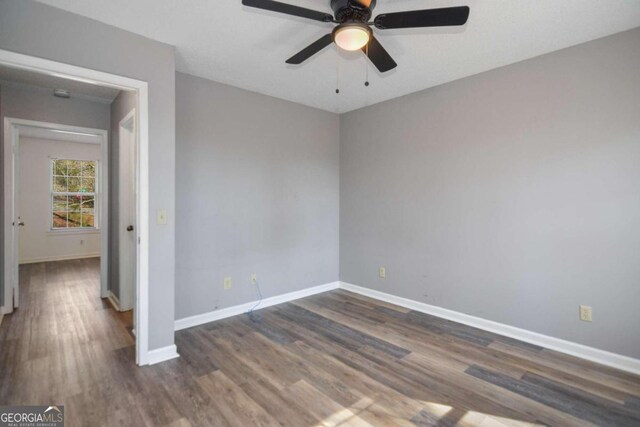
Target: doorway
{"type": "Point", "coordinates": [56, 186]}
{"type": "Point", "coordinates": [10, 217]}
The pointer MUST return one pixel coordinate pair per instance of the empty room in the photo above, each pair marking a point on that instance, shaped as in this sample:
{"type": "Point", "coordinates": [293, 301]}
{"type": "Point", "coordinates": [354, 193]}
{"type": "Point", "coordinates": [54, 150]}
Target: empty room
{"type": "Point", "coordinates": [320, 213]}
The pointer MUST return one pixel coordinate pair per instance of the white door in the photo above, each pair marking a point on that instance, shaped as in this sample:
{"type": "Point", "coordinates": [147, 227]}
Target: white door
{"type": "Point", "coordinates": [17, 222]}
{"type": "Point", "coordinates": [127, 227]}
{"type": "Point", "coordinates": [12, 220]}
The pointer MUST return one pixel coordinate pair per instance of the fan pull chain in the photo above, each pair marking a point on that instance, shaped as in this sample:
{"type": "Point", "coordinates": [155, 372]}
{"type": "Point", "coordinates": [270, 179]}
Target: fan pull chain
{"type": "Point", "coordinates": [337, 74]}
{"type": "Point", "coordinates": [366, 66]}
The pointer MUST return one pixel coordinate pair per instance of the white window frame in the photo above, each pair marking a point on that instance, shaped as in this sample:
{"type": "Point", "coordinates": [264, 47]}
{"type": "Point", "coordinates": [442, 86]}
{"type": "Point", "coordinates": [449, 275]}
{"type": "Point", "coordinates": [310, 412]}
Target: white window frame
{"type": "Point", "coordinates": [97, 199]}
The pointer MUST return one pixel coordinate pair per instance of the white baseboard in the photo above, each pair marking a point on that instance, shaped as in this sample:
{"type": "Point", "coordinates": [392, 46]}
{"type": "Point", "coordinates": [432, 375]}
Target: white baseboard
{"type": "Point", "coordinates": [60, 258]}
{"type": "Point", "coordinates": [113, 299]}
{"type": "Point", "coordinates": [162, 354]}
{"type": "Point", "coordinates": [212, 316]}
{"type": "Point", "coordinates": [603, 357]}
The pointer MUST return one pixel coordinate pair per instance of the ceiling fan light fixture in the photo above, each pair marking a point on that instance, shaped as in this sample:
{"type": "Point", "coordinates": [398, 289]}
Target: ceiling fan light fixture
{"type": "Point", "coordinates": [351, 36]}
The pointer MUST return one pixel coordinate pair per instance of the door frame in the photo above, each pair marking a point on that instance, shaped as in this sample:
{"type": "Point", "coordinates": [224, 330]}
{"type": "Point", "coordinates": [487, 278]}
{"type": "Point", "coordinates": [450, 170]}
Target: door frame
{"type": "Point", "coordinates": [125, 298]}
{"type": "Point", "coordinates": [11, 156]}
{"type": "Point", "coordinates": [141, 88]}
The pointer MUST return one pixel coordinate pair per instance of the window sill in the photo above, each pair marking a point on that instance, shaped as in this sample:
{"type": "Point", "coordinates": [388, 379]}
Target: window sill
{"type": "Point", "coordinates": [78, 231]}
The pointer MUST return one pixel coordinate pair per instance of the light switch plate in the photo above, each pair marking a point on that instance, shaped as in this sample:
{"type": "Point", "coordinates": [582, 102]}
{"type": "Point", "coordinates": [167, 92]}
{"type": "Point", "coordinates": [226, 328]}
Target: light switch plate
{"type": "Point", "coordinates": [382, 272]}
{"type": "Point", "coordinates": [227, 283]}
{"type": "Point", "coordinates": [162, 217]}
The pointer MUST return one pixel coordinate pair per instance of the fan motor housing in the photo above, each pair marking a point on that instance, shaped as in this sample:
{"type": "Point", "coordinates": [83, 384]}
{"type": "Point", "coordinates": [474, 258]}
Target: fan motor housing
{"type": "Point", "coordinates": [352, 10]}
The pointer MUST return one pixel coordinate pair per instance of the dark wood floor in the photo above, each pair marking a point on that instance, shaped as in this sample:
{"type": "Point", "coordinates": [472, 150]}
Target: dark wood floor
{"type": "Point", "coordinates": [335, 359]}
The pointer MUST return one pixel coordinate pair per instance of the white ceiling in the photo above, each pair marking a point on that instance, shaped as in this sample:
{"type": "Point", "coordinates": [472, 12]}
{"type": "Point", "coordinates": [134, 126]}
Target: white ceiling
{"type": "Point", "coordinates": [224, 41]}
{"type": "Point", "coordinates": [77, 89]}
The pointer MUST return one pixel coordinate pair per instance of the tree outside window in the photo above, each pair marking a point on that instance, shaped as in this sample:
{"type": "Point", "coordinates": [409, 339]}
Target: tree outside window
{"type": "Point", "coordinates": [73, 194]}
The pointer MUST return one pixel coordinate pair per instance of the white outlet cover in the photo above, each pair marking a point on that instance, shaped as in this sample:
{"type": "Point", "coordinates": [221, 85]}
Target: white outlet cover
{"type": "Point", "coordinates": [586, 313]}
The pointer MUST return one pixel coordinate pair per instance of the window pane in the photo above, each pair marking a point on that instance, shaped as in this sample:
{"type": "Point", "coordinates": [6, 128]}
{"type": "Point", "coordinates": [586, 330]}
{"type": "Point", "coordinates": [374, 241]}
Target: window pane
{"type": "Point", "coordinates": [88, 220]}
{"type": "Point", "coordinates": [89, 169]}
{"type": "Point", "coordinates": [74, 203]}
{"type": "Point", "coordinates": [74, 219]}
{"type": "Point", "coordinates": [87, 204]}
{"type": "Point", "coordinates": [60, 184]}
{"type": "Point", "coordinates": [74, 167]}
{"type": "Point", "coordinates": [60, 167]}
{"type": "Point", "coordinates": [74, 185]}
{"type": "Point", "coordinates": [59, 203]}
{"type": "Point", "coordinates": [88, 185]}
{"type": "Point", "coordinates": [59, 220]}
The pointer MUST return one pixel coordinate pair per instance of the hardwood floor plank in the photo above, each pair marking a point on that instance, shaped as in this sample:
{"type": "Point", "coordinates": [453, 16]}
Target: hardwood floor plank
{"type": "Point", "coordinates": [287, 410]}
{"type": "Point", "coordinates": [195, 348]}
{"type": "Point", "coordinates": [395, 404]}
{"type": "Point", "coordinates": [561, 400]}
{"type": "Point", "coordinates": [633, 403]}
{"type": "Point", "coordinates": [606, 375]}
{"type": "Point", "coordinates": [329, 412]}
{"type": "Point", "coordinates": [234, 404]}
{"type": "Point", "coordinates": [347, 332]}
{"type": "Point", "coordinates": [422, 340]}
{"type": "Point", "coordinates": [577, 395]}
{"type": "Point", "coordinates": [371, 301]}
{"type": "Point", "coordinates": [278, 335]}
{"type": "Point", "coordinates": [530, 410]}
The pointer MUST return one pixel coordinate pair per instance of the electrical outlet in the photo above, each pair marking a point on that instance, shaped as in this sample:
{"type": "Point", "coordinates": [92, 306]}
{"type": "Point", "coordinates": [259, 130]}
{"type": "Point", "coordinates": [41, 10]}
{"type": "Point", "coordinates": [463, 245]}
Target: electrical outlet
{"type": "Point", "coordinates": [254, 279]}
{"type": "Point", "coordinates": [227, 283]}
{"type": "Point", "coordinates": [586, 313]}
{"type": "Point", "coordinates": [382, 272]}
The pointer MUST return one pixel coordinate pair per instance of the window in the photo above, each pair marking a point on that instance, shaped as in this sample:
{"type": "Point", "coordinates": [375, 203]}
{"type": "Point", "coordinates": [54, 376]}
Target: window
{"type": "Point", "coordinates": [73, 194]}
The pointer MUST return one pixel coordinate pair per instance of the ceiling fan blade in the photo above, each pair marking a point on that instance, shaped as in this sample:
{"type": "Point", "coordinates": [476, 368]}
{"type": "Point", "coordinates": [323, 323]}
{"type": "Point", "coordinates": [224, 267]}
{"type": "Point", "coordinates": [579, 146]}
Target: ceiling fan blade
{"type": "Point", "coordinates": [379, 56]}
{"type": "Point", "coordinates": [289, 9]}
{"type": "Point", "coordinates": [311, 50]}
{"type": "Point", "coordinates": [443, 17]}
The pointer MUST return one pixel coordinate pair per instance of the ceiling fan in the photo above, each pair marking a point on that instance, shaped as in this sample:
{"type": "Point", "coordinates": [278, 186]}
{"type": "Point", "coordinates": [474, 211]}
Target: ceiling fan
{"type": "Point", "coordinates": [353, 31]}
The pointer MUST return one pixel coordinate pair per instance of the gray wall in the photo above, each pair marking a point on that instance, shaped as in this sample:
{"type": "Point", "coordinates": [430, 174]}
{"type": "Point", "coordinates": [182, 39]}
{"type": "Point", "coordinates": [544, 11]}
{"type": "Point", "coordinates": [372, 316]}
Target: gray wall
{"type": "Point", "coordinates": [24, 102]}
{"type": "Point", "coordinates": [512, 195]}
{"type": "Point", "coordinates": [121, 106]}
{"type": "Point", "coordinates": [35, 29]}
{"type": "Point", "coordinates": [257, 192]}
{"type": "Point", "coordinates": [31, 103]}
